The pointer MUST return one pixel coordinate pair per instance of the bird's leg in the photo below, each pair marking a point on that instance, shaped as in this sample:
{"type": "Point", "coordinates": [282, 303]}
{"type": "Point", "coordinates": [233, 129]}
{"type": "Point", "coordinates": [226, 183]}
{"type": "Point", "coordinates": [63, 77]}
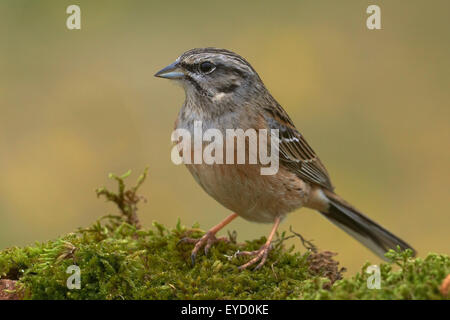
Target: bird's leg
{"type": "Point", "coordinates": [262, 253]}
{"type": "Point", "coordinates": [209, 238]}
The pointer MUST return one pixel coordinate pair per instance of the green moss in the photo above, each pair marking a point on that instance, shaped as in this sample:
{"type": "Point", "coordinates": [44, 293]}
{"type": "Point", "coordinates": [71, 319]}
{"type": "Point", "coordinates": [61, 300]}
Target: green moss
{"type": "Point", "coordinates": [126, 263]}
{"type": "Point", "coordinates": [118, 260]}
{"type": "Point", "coordinates": [404, 278]}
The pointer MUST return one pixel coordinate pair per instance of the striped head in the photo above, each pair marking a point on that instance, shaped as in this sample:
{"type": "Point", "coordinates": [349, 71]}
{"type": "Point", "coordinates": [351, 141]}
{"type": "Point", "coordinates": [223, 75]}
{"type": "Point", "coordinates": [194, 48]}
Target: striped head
{"type": "Point", "coordinates": [216, 75]}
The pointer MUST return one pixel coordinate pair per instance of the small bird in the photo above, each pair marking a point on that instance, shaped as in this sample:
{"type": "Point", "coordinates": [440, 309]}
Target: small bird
{"type": "Point", "coordinates": [223, 91]}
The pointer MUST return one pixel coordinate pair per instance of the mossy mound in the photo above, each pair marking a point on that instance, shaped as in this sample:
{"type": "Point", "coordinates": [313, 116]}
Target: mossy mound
{"type": "Point", "coordinates": [119, 260]}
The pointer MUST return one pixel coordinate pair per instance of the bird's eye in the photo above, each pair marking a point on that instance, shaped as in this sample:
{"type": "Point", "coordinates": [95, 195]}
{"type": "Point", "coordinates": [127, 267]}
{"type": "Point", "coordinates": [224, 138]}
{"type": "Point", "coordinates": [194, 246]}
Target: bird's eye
{"type": "Point", "coordinates": [207, 67]}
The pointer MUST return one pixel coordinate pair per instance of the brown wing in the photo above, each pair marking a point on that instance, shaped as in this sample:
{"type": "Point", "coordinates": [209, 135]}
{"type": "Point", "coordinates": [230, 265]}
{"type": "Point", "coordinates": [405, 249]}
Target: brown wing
{"type": "Point", "coordinates": [295, 153]}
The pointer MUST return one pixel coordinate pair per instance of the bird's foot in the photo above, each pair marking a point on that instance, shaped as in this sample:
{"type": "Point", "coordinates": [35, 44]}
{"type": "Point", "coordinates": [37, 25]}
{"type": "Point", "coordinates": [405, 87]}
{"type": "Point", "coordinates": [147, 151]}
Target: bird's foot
{"type": "Point", "coordinates": [207, 240]}
{"type": "Point", "coordinates": [259, 255]}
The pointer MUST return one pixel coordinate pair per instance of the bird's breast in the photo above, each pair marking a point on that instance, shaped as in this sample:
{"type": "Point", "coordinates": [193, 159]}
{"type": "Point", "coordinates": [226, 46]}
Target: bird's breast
{"type": "Point", "coordinates": [255, 197]}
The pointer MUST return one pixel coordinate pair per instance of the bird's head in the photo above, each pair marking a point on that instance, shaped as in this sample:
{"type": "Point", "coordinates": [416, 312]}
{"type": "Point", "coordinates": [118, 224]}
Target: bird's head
{"type": "Point", "coordinates": [214, 74]}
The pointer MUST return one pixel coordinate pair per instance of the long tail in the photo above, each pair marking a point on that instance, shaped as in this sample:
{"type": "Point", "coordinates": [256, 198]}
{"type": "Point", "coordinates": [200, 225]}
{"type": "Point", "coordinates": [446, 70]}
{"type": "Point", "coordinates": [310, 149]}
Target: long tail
{"type": "Point", "coordinates": [366, 231]}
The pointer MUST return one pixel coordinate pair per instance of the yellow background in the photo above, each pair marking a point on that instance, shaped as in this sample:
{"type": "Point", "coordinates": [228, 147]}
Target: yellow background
{"type": "Point", "coordinates": [76, 105]}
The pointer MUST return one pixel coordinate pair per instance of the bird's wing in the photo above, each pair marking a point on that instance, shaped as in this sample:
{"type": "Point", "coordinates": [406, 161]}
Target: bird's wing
{"type": "Point", "coordinates": [294, 152]}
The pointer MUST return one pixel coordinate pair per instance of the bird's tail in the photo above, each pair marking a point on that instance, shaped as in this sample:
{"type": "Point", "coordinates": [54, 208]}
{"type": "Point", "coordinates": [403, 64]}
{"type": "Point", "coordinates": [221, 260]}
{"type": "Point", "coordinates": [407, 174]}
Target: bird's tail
{"type": "Point", "coordinates": [363, 229]}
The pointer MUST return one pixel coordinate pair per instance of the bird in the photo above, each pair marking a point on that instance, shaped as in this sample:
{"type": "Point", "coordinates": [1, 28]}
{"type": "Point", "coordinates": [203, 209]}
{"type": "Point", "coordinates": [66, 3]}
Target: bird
{"type": "Point", "coordinates": [223, 91]}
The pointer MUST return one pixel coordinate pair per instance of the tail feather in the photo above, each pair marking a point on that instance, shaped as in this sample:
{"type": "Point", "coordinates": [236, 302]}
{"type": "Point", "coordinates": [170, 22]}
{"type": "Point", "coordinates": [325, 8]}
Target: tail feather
{"type": "Point", "coordinates": [363, 229]}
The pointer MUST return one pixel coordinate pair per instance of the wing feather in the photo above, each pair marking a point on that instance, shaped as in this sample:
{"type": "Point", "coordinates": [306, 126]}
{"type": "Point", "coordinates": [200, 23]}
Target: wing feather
{"type": "Point", "coordinates": [295, 153]}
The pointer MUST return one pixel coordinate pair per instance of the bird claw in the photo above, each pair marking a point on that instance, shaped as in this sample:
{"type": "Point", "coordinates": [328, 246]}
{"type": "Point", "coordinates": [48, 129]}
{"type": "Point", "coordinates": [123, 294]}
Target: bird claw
{"type": "Point", "coordinates": [260, 255]}
{"type": "Point", "coordinates": [206, 241]}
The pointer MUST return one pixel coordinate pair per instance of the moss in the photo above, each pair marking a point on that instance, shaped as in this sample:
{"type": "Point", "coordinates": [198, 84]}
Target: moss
{"type": "Point", "coordinates": [404, 278]}
{"type": "Point", "coordinates": [118, 260]}
{"type": "Point", "coordinates": [126, 263]}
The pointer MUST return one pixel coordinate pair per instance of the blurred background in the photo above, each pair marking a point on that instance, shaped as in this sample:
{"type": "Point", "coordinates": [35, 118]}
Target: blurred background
{"type": "Point", "coordinates": [78, 104]}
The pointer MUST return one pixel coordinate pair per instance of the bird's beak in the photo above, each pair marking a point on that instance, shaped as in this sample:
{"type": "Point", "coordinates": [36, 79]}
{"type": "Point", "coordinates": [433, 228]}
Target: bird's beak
{"type": "Point", "coordinates": [172, 71]}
